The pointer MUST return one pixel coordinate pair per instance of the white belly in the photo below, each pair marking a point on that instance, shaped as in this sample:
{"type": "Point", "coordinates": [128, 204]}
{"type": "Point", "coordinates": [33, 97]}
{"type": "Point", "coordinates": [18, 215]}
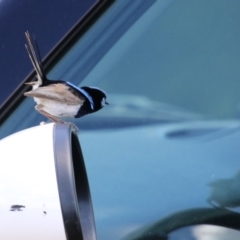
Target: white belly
{"type": "Point", "coordinates": [58, 109]}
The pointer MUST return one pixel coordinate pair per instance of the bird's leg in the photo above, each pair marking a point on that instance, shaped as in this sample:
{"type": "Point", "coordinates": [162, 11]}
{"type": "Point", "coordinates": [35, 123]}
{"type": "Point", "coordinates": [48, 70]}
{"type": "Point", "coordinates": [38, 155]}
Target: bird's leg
{"type": "Point", "coordinates": [53, 118]}
{"type": "Point", "coordinates": [47, 115]}
{"type": "Point", "coordinates": [73, 125]}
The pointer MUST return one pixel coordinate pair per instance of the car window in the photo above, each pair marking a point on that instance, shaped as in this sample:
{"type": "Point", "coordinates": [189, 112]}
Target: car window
{"type": "Point", "coordinates": [16, 17]}
{"type": "Point", "coordinates": [169, 140]}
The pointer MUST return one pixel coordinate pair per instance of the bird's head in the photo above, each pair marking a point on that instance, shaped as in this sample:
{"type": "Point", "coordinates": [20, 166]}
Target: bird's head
{"type": "Point", "coordinates": [97, 98]}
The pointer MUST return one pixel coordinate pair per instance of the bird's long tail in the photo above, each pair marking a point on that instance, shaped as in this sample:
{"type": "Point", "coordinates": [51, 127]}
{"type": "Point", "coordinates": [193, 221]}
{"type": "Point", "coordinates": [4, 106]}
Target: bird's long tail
{"type": "Point", "coordinates": [34, 55]}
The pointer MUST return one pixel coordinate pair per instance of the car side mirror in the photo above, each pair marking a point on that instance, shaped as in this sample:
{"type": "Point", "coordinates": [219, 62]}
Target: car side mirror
{"type": "Point", "coordinates": [44, 190]}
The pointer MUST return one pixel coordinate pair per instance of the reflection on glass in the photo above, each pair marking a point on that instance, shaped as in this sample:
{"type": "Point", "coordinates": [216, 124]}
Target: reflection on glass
{"type": "Point", "coordinates": [204, 232]}
{"type": "Point", "coordinates": [171, 69]}
{"type": "Point", "coordinates": [225, 192]}
{"type": "Point", "coordinates": [210, 232]}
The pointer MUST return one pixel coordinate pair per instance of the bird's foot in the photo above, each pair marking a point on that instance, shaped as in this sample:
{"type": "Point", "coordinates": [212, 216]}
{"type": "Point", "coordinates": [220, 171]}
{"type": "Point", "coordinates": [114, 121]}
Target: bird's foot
{"type": "Point", "coordinates": [73, 126]}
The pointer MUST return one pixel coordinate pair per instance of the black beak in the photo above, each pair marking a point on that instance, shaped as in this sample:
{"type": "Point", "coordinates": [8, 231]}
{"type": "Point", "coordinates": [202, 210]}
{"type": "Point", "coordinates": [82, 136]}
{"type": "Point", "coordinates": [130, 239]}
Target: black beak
{"type": "Point", "coordinates": [106, 103]}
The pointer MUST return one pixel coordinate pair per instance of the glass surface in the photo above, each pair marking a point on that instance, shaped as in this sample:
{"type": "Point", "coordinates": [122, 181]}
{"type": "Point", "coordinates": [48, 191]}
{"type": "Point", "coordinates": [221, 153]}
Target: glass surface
{"type": "Point", "coordinates": [205, 232]}
{"type": "Point", "coordinates": [169, 140]}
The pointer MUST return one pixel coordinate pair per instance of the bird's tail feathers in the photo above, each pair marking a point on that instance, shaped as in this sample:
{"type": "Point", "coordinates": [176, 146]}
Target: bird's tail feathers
{"type": "Point", "coordinates": [34, 55]}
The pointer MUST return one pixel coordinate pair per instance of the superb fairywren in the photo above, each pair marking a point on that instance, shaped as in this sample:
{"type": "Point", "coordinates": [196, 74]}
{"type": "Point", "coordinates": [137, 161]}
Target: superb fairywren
{"type": "Point", "coordinates": [57, 99]}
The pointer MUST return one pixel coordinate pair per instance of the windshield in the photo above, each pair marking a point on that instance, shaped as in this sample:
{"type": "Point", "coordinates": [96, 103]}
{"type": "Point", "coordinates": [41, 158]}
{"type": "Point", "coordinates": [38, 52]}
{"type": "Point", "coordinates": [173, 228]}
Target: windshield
{"type": "Point", "coordinates": [170, 135]}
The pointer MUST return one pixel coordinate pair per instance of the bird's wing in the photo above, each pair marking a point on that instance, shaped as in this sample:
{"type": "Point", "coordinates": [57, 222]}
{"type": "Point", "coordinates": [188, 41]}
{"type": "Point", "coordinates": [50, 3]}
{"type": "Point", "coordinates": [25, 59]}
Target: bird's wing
{"type": "Point", "coordinates": [57, 92]}
{"type": "Point", "coordinates": [35, 57]}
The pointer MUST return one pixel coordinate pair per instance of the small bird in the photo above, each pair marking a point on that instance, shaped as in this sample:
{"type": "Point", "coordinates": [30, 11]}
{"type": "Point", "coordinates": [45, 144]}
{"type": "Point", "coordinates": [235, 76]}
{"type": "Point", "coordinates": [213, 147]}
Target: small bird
{"type": "Point", "coordinates": [57, 99]}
